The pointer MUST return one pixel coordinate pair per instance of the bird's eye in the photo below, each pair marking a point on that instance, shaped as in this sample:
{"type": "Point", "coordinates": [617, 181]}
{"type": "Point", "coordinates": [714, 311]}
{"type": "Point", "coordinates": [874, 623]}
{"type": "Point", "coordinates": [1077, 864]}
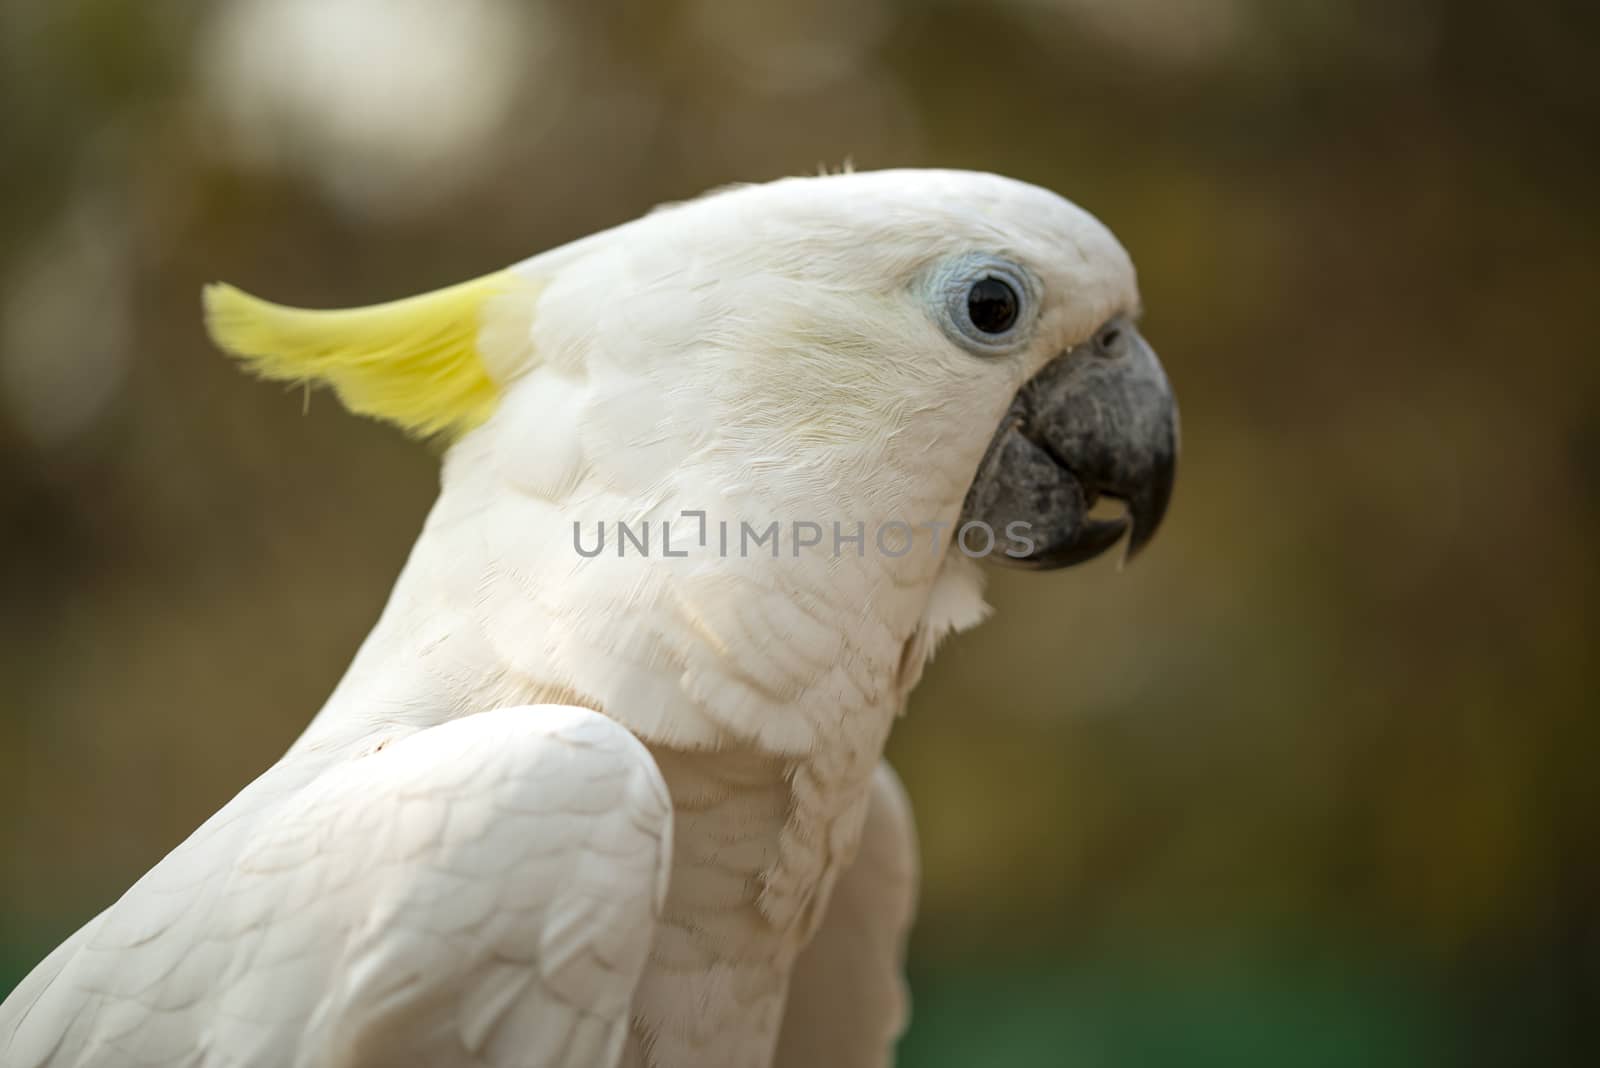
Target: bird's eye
{"type": "Point", "coordinates": [986, 303]}
{"type": "Point", "coordinates": [992, 305]}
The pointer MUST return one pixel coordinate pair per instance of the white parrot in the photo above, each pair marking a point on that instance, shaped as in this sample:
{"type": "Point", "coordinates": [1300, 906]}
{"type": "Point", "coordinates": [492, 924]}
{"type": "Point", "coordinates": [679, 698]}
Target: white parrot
{"type": "Point", "coordinates": [585, 808]}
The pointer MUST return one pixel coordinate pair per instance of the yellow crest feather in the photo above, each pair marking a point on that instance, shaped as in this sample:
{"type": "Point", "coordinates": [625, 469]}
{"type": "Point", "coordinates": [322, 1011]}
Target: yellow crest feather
{"type": "Point", "coordinates": [414, 362]}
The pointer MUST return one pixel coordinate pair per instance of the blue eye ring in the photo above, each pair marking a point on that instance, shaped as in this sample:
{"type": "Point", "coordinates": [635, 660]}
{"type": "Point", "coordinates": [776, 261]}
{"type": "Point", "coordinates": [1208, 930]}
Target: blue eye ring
{"type": "Point", "coordinates": [988, 304]}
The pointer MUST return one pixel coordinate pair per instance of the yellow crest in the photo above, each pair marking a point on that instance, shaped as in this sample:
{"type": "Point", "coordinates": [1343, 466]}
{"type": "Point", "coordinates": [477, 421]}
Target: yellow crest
{"type": "Point", "coordinates": [415, 362]}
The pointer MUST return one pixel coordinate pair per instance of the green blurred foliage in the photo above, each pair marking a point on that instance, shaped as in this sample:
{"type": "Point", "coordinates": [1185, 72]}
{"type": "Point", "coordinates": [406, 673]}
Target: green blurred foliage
{"type": "Point", "coordinates": [1310, 784]}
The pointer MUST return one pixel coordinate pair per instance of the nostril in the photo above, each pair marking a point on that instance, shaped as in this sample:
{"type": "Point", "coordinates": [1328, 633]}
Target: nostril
{"type": "Point", "coordinates": [1108, 339]}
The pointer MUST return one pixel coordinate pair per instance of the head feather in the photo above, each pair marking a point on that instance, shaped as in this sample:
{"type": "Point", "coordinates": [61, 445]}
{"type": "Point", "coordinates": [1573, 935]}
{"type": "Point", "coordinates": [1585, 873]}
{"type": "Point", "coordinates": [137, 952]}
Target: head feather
{"type": "Point", "coordinates": [415, 362]}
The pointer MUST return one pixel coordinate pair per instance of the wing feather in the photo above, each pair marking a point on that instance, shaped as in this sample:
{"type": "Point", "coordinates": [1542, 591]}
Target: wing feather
{"type": "Point", "coordinates": [483, 892]}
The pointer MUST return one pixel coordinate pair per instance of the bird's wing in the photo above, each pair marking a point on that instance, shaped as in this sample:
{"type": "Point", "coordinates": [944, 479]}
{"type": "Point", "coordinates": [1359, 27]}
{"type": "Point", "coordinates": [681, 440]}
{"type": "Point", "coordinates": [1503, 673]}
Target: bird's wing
{"type": "Point", "coordinates": [847, 995]}
{"type": "Point", "coordinates": [483, 892]}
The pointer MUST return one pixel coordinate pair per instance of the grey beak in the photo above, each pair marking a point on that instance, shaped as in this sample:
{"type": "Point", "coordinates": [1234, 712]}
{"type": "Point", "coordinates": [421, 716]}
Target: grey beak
{"type": "Point", "coordinates": [1098, 420]}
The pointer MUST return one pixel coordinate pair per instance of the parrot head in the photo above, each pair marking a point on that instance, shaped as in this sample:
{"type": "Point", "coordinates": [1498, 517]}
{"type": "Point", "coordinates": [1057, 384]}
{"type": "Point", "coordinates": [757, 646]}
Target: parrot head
{"type": "Point", "coordinates": [937, 349]}
{"type": "Point", "coordinates": [821, 326]}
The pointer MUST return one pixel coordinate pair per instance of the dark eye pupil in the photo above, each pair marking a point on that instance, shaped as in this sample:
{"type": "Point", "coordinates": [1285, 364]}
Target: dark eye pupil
{"type": "Point", "coordinates": [992, 305]}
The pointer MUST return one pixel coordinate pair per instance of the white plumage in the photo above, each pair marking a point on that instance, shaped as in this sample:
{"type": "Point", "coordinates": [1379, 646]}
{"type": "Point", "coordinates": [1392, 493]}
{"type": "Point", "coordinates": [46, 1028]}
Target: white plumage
{"type": "Point", "coordinates": [597, 811]}
{"type": "Point", "coordinates": [482, 892]}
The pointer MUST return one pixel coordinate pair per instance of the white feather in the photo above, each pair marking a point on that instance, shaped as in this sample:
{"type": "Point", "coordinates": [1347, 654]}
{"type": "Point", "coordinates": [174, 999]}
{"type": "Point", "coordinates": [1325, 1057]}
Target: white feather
{"type": "Point", "coordinates": [423, 880]}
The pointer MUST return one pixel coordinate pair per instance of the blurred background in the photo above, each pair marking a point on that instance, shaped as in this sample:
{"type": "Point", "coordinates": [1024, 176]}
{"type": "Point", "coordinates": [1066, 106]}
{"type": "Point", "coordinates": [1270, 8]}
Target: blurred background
{"type": "Point", "coordinates": [1311, 784]}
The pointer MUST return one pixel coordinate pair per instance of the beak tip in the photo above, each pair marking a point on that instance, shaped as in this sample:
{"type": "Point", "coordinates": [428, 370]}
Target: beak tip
{"type": "Point", "coordinates": [1136, 545]}
{"type": "Point", "coordinates": [1147, 510]}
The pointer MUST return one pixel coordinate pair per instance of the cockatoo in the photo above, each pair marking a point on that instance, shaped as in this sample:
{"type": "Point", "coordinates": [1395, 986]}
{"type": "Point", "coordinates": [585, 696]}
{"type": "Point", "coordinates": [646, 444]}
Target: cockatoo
{"type": "Point", "coordinates": [580, 807]}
